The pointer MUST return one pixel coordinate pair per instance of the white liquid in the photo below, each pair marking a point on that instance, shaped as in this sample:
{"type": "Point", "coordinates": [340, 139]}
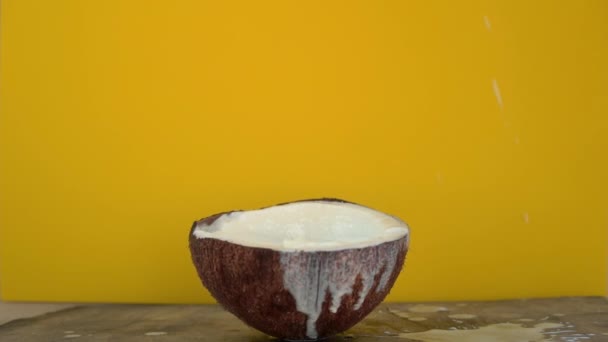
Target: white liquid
{"type": "Point", "coordinates": [502, 332]}
{"type": "Point", "coordinates": [420, 308]}
{"type": "Point", "coordinates": [309, 276]}
{"type": "Point", "coordinates": [462, 316]}
{"type": "Point", "coordinates": [306, 226]}
{"type": "Point", "coordinates": [417, 319]}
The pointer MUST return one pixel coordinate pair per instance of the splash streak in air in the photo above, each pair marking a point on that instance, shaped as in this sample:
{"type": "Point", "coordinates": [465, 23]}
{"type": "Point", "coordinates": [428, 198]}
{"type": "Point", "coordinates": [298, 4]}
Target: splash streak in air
{"type": "Point", "coordinates": [486, 21]}
{"type": "Point", "coordinates": [497, 93]}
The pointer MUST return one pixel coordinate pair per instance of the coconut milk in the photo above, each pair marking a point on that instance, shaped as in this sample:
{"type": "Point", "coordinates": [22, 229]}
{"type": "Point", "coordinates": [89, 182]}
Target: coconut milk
{"type": "Point", "coordinates": [309, 276]}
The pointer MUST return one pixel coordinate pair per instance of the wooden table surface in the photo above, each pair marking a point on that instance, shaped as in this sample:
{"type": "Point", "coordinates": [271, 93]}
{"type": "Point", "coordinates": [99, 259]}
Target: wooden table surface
{"type": "Point", "coordinates": [566, 319]}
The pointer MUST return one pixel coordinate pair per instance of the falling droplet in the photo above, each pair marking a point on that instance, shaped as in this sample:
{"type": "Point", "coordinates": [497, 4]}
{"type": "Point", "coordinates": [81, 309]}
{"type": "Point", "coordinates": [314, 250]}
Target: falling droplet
{"type": "Point", "coordinates": [497, 93]}
{"type": "Point", "coordinates": [486, 21]}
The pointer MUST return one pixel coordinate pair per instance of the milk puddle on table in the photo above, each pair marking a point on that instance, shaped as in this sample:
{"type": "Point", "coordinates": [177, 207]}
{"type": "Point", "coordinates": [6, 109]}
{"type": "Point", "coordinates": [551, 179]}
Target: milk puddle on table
{"type": "Point", "coordinates": [500, 332]}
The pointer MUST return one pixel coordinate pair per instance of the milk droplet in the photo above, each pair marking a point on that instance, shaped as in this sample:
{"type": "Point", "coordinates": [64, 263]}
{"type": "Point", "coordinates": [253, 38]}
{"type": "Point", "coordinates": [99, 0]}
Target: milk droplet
{"type": "Point", "coordinates": [426, 308]}
{"type": "Point", "coordinates": [462, 316]}
{"type": "Point", "coordinates": [497, 94]}
{"type": "Point", "coordinates": [417, 319]}
{"type": "Point", "coordinates": [487, 22]}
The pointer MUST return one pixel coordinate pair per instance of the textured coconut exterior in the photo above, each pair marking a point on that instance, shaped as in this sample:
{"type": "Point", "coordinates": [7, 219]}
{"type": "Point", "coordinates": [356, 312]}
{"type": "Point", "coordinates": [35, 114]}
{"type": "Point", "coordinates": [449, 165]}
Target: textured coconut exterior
{"type": "Point", "coordinates": [252, 283]}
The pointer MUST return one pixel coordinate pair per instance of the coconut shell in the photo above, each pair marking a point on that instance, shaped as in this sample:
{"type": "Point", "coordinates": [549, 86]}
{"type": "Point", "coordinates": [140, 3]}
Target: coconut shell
{"type": "Point", "coordinates": [251, 283]}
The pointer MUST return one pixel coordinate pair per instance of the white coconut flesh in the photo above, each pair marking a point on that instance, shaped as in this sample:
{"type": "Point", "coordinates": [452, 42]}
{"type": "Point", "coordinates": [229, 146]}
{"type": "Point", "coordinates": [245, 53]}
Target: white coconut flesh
{"type": "Point", "coordinates": [306, 226]}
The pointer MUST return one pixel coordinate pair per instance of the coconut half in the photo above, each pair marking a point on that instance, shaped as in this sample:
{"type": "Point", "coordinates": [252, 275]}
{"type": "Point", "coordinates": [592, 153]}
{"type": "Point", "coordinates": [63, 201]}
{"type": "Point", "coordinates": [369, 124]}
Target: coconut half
{"type": "Point", "coordinates": [300, 270]}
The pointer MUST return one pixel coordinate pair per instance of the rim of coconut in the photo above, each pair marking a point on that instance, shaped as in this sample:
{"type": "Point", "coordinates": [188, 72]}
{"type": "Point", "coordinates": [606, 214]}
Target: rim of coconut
{"type": "Point", "coordinates": [325, 224]}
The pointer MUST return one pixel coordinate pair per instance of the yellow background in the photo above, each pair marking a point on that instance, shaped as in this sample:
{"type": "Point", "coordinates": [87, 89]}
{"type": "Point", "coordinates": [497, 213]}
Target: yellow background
{"type": "Point", "coordinates": [124, 121]}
